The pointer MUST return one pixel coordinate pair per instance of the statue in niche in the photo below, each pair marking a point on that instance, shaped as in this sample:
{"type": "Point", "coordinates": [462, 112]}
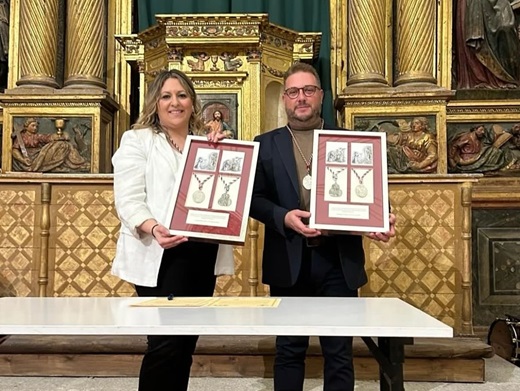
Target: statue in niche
{"type": "Point", "coordinates": [4, 43]}
{"type": "Point", "coordinates": [49, 152]}
{"type": "Point", "coordinates": [487, 44]}
{"type": "Point", "coordinates": [411, 147]}
{"type": "Point", "coordinates": [483, 149]}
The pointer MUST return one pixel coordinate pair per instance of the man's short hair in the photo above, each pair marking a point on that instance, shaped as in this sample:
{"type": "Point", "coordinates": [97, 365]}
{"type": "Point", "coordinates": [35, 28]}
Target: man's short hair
{"type": "Point", "coordinates": [301, 67]}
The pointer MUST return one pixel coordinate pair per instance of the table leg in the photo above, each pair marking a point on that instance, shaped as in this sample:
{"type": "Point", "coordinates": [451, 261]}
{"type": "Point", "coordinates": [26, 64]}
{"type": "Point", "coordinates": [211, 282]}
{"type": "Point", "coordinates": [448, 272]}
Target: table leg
{"type": "Point", "coordinates": [390, 356]}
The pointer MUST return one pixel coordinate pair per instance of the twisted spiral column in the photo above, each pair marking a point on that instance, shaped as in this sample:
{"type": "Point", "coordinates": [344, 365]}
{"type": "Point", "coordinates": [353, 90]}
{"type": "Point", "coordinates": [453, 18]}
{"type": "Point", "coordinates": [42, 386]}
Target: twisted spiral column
{"type": "Point", "coordinates": [85, 46]}
{"type": "Point", "coordinates": [416, 38]}
{"type": "Point", "coordinates": [367, 42]}
{"type": "Point", "coordinates": [38, 57]}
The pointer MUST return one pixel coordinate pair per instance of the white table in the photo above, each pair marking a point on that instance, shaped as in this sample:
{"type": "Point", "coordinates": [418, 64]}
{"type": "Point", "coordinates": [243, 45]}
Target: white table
{"type": "Point", "coordinates": [394, 322]}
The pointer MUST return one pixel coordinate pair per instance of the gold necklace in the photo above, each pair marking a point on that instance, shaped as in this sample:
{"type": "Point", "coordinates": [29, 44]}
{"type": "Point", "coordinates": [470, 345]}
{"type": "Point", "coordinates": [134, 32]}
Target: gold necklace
{"type": "Point", "coordinates": [307, 179]}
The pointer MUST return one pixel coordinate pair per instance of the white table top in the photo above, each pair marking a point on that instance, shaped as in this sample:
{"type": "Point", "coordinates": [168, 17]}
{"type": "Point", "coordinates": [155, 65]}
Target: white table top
{"type": "Point", "coordinates": [358, 317]}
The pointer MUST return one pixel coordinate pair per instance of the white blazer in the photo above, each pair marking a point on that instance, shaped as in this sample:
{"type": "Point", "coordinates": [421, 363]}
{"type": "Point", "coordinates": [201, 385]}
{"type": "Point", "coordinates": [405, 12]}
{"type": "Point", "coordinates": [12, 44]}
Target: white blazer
{"type": "Point", "coordinates": [145, 171]}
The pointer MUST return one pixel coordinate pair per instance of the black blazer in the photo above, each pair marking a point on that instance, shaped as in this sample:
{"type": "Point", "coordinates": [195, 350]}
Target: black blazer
{"type": "Point", "coordinates": [276, 192]}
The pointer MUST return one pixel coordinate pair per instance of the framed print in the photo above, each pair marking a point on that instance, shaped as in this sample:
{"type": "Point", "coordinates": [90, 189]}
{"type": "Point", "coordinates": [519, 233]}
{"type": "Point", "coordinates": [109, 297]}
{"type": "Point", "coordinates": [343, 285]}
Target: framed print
{"type": "Point", "coordinates": [212, 198]}
{"type": "Point", "coordinates": [349, 189]}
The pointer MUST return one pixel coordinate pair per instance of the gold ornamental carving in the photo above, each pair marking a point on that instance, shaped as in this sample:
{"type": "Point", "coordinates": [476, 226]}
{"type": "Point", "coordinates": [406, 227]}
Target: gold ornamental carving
{"type": "Point", "coordinates": [86, 32]}
{"type": "Point", "coordinates": [367, 42]}
{"type": "Point", "coordinates": [272, 71]}
{"type": "Point", "coordinates": [416, 36]}
{"type": "Point", "coordinates": [220, 28]}
{"type": "Point", "coordinates": [38, 43]}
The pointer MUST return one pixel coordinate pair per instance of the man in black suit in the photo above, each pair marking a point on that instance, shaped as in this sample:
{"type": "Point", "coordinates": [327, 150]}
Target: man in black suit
{"type": "Point", "coordinates": [298, 260]}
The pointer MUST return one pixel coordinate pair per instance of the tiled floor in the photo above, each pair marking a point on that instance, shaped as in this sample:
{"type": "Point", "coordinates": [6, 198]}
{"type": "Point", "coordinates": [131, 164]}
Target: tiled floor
{"type": "Point", "coordinates": [501, 375]}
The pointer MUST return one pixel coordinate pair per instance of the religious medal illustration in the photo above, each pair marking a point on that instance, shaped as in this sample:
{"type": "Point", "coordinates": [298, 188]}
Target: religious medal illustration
{"type": "Point", "coordinates": [361, 190]}
{"type": "Point", "coordinates": [225, 198]}
{"type": "Point", "coordinates": [198, 196]}
{"type": "Point", "coordinates": [335, 189]}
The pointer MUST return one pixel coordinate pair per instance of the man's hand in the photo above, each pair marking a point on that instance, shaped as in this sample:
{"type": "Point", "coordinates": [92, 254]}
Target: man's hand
{"type": "Point", "coordinates": [384, 236]}
{"type": "Point", "coordinates": [294, 220]}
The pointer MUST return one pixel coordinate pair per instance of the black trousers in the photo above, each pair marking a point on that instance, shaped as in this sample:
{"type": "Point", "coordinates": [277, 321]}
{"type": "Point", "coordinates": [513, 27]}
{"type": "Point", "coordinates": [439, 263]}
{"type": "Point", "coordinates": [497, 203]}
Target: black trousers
{"type": "Point", "coordinates": [315, 280]}
{"type": "Point", "coordinates": [186, 270]}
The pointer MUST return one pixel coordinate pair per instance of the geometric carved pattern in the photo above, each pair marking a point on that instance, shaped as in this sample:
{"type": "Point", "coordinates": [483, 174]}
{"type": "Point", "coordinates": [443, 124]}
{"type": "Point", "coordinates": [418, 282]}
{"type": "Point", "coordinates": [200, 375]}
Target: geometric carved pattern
{"type": "Point", "coordinates": [420, 264]}
{"type": "Point", "coordinates": [499, 266]}
{"type": "Point", "coordinates": [87, 227]}
{"type": "Point", "coordinates": [495, 263]}
{"type": "Point", "coordinates": [18, 219]}
{"type": "Point", "coordinates": [83, 230]}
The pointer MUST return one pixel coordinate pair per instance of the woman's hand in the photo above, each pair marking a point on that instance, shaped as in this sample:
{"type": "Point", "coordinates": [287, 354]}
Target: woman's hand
{"type": "Point", "coordinates": [216, 136]}
{"type": "Point", "coordinates": [165, 238]}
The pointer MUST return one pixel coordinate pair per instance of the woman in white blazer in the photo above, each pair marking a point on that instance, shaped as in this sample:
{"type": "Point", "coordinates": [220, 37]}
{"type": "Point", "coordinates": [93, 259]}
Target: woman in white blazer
{"type": "Point", "coordinates": [146, 166]}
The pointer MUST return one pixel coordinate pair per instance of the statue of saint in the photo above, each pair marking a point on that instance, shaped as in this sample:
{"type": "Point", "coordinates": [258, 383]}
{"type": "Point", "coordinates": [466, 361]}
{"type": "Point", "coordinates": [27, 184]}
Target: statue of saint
{"type": "Point", "coordinates": [487, 45]}
{"type": "Point", "coordinates": [4, 43]}
{"type": "Point", "coordinates": [479, 150]}
{"type": "Point", "coordinates": [413, 149]}
{"type": "Point", "coordinates": [36, 152]}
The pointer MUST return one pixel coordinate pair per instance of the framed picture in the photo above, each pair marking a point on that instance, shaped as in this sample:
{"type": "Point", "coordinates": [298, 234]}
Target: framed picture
{"type": "Point", "coordinates": [219, 112]}
{"type": "Point", "coordinates": [349, 189]}
{"type": "Point", "coordinates": [212, 199]}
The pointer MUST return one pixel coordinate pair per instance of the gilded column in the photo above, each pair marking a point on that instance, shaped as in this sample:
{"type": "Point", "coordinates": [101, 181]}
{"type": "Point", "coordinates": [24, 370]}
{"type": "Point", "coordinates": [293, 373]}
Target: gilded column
{"type": "Point", "coordinates": [85, 47]}
{"type": "Point", "coordinates": [367, 42]}
{"type": "Point", "coordinates": [38, 50]}
{"type": "Point", "coordinates": [416, 41]}
{"type": "Point", "coordinates": [45, 225]}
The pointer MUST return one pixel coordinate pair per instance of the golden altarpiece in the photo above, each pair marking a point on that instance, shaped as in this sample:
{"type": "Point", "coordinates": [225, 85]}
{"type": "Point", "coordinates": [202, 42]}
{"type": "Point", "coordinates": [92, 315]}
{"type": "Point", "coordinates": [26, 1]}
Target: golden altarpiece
{"type": "Point", "coordinates": [59, 222]}
{"type": "Point", "coordinates": [391, 65]}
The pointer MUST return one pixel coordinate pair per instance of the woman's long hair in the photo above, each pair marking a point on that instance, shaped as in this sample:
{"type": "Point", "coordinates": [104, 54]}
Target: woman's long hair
{"type": "Point", "coordinates": [149, 118]}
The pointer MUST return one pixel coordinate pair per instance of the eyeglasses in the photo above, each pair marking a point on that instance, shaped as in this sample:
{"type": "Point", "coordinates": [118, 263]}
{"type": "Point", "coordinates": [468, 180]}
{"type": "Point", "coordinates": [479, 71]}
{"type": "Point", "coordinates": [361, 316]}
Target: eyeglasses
{"type": "Point", "coordinates": [293, 92]}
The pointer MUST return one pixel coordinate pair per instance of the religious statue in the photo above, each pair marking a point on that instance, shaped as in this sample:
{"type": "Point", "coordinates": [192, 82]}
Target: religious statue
{"type": "Point", "coordinates": [36, 152]}
{"type": "Point", "coordinates": [198, 63]}
{"type": "Point", "coordinates": [413, 148]}
{"type": "Point", "coordinates": [230, 62]}
{"type": "Point", "coordinates": [487, 44]}
{"type": "Point", "coordinates": [4, 42]}
{"type": "Point", "coordinates": [479, 150]}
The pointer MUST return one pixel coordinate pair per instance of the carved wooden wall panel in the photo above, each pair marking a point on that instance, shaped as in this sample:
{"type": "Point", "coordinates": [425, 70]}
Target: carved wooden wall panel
{"type": "Point", "coordinates": [64, 245]}
{"type": "Point", "coordinates": [425, 264]}
{"type": "Point", "coordinates": [84, 232]}
{"type": "Point", "coordinates": [19, 239]}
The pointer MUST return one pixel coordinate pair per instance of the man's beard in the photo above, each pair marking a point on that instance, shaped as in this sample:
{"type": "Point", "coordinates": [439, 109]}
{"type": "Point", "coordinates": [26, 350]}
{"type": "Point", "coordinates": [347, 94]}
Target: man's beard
{"type": "Point", "coordinates": [292, 117]}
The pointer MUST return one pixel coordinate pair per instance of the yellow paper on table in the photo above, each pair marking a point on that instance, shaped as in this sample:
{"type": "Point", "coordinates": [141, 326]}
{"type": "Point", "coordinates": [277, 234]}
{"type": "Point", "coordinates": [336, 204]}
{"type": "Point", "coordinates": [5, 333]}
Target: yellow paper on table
{"type": "Point", "coordinates": [246, 302]}
{"type": "Point", "coordinates": [210, 302]}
